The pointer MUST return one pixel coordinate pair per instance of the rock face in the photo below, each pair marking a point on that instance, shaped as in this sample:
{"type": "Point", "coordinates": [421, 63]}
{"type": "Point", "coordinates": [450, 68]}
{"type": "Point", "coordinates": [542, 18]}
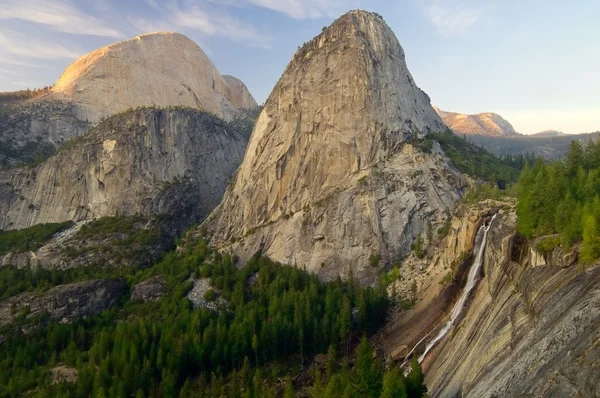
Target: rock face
{"type": "Point", "coordinates": [154, 70]}
{"type": "Point", "coordinates": [148, 162]}
{"type": "Point", "coordinates": [488, 124]}
{"type": "Point", "coordinates": [530, 331]}
{"type": "Point", "coordinates": [148, 290]}
{"type": "Point", "coordinates": [64, 302]}
{"type": "Point", "coordinates": [31, 129]}
{"type": "Point", "coordinates": [329, 176]}
{"type": "Point", "coordinates": [530, 328]}
{"type": "Point", "coordinates": [157, 69]}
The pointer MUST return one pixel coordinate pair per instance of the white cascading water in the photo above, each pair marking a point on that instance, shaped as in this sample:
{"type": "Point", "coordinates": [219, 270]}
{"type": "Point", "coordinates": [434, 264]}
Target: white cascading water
{"type": "Point", "coordinates": [471, 282]}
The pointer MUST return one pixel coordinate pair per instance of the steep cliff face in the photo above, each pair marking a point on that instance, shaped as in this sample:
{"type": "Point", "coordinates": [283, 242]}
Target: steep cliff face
{"type": "Point", "coordinates": [31, 129]}
{"type": "Point", "coordinates": [329, 176]}
{"type": "Point", "coordinates": [64, 302]}
{"type": "Point", "coordinates": [531, 331]}
{"type": "Point", "coordinates": [156, 69]}
{"type": "Point", "coordinates": [160, 69]}
{"type": "Point", "coordinates": [531, 327]}
{"type": "Point", "coordinates": [148, 162]}
{"type": "Point", "coordinates": [488, 124]}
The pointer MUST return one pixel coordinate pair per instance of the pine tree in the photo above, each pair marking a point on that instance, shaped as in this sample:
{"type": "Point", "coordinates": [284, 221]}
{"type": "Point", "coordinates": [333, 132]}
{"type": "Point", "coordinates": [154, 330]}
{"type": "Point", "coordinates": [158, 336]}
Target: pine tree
{"type": "Point", "coordinates": [394, 384]}
{"type": "Point", "coordinates": [415, 385]}
{"type": "Point", "coordinates": [331, 361]}
{"type": "Point", "coordinates": [367, 373]}
{"type": "Point", "coordinates": [590, 247]}
{"type": "Point", "coordinates": [289, 390]}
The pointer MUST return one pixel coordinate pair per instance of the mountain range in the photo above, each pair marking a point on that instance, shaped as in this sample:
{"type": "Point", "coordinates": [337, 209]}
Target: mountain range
{"type": "Point", "coordinates": [157, 197]}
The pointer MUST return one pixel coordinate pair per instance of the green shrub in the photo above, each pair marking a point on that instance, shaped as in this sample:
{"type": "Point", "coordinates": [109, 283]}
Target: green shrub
{"type": "Point", "coordinates": [32, 238]}
{"type": "Point", "coordinates": [210, 295]}
{"type": "Point", "coordinates": [374, 259]}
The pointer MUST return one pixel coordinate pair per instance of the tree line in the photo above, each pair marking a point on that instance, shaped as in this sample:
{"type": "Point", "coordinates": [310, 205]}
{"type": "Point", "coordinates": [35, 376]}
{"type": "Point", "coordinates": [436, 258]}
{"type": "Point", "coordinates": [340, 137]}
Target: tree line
{"type": "Point", "coordinates": [562, 198]}
{"type": "Point", "coordinates": [270, 314]}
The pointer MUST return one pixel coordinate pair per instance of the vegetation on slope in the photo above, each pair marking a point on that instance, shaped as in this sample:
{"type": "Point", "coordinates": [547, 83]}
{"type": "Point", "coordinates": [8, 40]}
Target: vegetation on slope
{"type": "Point", "coordinates": [274, 320]}
{"type": "Point", "coordinates": [22, 95]}
{"type": "Point", "coordinates": [31, 238]}
{"type": "Point", "coordinates": [563, 198]}
{"type": "Point", "coordinates": [474, 161]}
{"type": "Point", "coordinates": [549, 148]}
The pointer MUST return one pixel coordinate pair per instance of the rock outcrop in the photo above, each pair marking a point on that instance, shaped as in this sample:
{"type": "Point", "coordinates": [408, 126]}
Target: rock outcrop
{"type": "Point", "coordinates": [160, 69]}
{"type": "Point", "coordinates": [107, 242]}
{"type": "Point", "coordinates": [31, 130]}
{"type": "Point", "coordinates": [487, 124]}
{"type": "Point", "coordinates": [332, 174]}
{"type": "Point", "coordinates": [63, 303]}
{"type": "Point", "coordinates": [149, 162]}
{"type": "Point", "coordinates": [148, 290]}
{"type": "Point", "coordinates": [156, 69]}
{"type": "Point", "coordinates": [530, 328]}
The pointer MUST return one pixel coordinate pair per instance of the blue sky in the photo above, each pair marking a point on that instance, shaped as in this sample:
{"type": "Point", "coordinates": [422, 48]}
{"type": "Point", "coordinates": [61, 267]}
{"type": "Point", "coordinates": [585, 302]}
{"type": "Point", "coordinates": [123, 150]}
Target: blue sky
{"type": "Point", "coordinates": [534, 62]}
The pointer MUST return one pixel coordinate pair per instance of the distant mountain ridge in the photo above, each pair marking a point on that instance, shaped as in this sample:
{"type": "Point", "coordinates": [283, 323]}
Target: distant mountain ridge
{"type": "Point", "coordinates": [548, 133]}
{"type": "Point", "coordinates": [488, 124]}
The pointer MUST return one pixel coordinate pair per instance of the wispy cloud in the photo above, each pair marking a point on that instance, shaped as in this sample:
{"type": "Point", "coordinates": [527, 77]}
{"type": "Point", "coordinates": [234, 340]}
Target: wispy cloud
{"type": "Point", "coordinates": [15, 46]}
{"type": "Point", "coordinates": [452, 16]}
{"type": "Point", "coordinates": [305, 9]}
{"type": "Point", "coordinates": [7, 72]}
{"type": "Point", "coordinates": [60, 15]}
{"type": "Point", "coordinates": [204, 19]}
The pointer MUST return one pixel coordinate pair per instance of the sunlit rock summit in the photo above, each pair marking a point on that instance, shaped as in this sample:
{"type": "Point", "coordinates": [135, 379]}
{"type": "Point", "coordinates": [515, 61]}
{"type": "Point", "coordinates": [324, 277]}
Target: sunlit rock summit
{"type": "Point", "coordinates": [333, 178]}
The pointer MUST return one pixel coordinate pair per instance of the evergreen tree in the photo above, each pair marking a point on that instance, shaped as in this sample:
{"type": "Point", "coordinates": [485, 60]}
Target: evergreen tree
{"type": "Point", "coordinates": [289, 390]}
{"type": "Point", "coordinates": [367, 372]}
{"type": "Point", "coordinates": [415, 383]}
{"type": "Point", "coordinates": [394, 384]}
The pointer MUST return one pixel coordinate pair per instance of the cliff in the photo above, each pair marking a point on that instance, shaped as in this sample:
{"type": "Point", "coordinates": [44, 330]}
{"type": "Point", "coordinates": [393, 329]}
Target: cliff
{"type": "Point", "coordinates": [530, 326]}
{"type": "Point", "coordinates": [331, 175]}
{"type": "Point", "coordinates": [488, 124]}
{"type": "Point", "coordinates": [156, 69]}
{"type": "Point", "coordinates": [148, 162]}
{"type": "Point", "coordinates": [161, 69]}
{"type": "Point", "coordinates": [63, 303]}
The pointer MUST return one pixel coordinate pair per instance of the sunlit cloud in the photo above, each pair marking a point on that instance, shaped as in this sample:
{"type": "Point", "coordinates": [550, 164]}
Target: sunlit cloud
{"type": "Point", "coordinates": [60, 15]}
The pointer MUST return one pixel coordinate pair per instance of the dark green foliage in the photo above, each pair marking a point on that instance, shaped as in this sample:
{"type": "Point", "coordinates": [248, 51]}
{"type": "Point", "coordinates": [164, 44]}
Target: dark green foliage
{"type": "Point", "coordinates": [130, 226]}
{"type": "Point", "coordinates": [475, 161]}
{"type": "Point", "coordinates": [166, 347]}
{"type": "Point", "coordinates": [419, 247]}
{"type": "Point", "coordinates": [444, 229]}
{"type": "Point", "coordinates": [367, 372]}
{"type": "Point", "coordinates": [563, 198]}
{"type": "Point", "coordinates": [123, 237]}
{"type": "Point", "coordinates": [367, 379]}
{"type": "Point", "coordinates": [415, 383]}
{"type": "Point", "coordinates": [374, 259]}
{"type": "Point", "coordinates": [210, 295]}
{"type": "Point", "coordinates": [14, 281]}
{"type": "Point", "coordinates": [31, 238]}
{"type": "Point", "coordinates": [394, 384]}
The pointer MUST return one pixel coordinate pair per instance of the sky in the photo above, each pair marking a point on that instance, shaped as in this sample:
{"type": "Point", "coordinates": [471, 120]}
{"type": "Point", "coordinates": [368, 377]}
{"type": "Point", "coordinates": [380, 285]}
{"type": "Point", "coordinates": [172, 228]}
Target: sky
{"type": "Point", "coordinates": [535, 62]}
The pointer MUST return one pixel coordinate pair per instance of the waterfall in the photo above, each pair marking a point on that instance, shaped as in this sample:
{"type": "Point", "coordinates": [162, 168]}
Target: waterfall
{"type": "Point", "coordinates": [471, 282]}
